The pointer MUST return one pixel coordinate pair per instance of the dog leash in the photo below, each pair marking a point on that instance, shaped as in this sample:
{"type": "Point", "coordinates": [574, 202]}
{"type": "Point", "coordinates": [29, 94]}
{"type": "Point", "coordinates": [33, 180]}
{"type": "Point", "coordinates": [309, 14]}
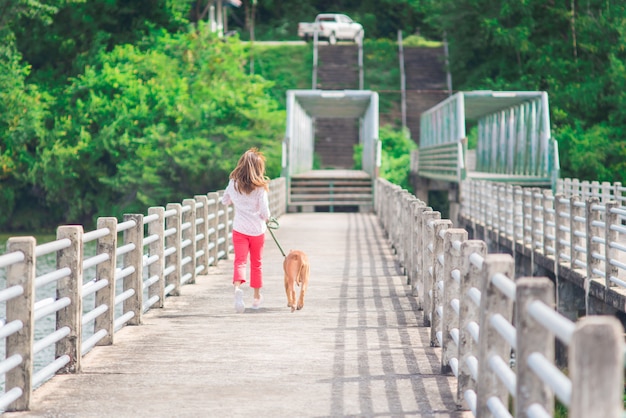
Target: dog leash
{"type": "Point", "coordinates": [273, 224]}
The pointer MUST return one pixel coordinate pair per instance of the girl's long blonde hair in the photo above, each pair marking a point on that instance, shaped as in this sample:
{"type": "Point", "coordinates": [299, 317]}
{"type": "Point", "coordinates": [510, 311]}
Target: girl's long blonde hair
{"type": "Point", "coordinates": [250, 172]}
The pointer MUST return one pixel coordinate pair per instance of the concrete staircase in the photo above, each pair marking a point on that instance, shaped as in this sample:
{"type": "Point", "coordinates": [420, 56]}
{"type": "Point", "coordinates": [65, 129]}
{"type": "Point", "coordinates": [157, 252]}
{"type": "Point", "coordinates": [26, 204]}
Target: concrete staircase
{"type": "Point", "coordinates": [425, 83]}
{"type": "Point", "coordinates": [334, 142]}
{"type": "Point", "coordinates": [336, 187]}
{"type": "Point", "coordinates": [330, 191]}
{"type": "Point", "coordinates": [338, 69]}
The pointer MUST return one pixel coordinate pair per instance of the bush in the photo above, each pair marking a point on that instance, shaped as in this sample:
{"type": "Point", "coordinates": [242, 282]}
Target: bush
{"type": "Point", "coordinates": [396, 156]}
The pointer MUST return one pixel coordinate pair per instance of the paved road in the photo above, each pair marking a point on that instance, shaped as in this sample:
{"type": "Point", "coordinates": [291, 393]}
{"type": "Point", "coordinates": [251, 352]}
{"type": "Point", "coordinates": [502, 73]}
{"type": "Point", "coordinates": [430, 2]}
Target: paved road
{"type": "Point", "coordinates": [355, 350]}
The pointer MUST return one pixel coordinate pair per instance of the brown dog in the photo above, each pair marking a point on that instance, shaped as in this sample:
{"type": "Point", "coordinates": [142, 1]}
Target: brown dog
{"type": "Point", "coordinates": [296, 266]}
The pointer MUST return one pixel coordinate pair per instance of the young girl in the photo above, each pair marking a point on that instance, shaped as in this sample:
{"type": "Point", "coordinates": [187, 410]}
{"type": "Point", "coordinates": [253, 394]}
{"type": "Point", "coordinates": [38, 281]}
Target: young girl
{"type": "Point", "coordinates": [247, 191]}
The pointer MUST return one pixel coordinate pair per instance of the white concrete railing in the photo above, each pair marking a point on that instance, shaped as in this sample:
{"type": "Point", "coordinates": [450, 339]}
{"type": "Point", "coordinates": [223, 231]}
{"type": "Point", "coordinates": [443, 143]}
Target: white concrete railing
{"type": "Point", "coordinates": [605, 191]}
{"type": "Point", "coordinates": [585, 237]}
{"type": "Point", "coordinates": [479, 314]}
{"type": "Point", "coordinates": [98, 295]}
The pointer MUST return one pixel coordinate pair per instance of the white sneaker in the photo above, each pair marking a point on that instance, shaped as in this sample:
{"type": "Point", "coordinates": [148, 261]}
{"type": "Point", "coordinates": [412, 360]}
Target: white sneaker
{"type": "Point", "coordinates": [256, 303]}
{"type": "Point", "coordinates": [239, 305]}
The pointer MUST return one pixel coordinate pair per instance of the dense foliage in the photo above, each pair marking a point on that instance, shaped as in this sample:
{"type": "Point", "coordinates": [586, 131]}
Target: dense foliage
{"type": "Point", "coordinates": [108, 106]}
{"type": "Point", "coordinates": [396, 156]}
{"type": "Point", "coordinates": [143, 124]}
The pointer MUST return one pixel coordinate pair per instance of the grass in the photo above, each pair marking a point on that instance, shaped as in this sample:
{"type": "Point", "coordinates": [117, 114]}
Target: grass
{"type": "Point", "coordinates": [420, 41]}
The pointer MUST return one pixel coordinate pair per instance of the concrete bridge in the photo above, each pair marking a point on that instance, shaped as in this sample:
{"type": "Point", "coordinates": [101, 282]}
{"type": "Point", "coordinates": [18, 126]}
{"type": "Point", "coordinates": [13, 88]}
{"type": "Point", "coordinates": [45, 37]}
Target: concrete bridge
{"type": "Point", "coordinates": [405, 316]}
{"type": "Point", "coordinates": [352, 351]}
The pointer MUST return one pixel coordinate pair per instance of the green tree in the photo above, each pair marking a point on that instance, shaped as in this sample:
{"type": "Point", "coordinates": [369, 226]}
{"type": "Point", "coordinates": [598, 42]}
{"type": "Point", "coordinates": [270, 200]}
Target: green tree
{"type": "Point", "coordinates": [23, 109]}
{"type": "Point", "coordinates": [81, 29]}
{"type": "Point", "coordinates": [143, 127]}
{"type": "Point", "coordinates": [396, 156]}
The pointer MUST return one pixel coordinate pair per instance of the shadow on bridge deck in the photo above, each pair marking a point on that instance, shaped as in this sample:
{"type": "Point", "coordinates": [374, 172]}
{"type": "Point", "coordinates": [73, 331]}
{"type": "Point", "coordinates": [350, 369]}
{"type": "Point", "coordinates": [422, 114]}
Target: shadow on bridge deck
{"type": "Point", "coordinates": [354, 350]}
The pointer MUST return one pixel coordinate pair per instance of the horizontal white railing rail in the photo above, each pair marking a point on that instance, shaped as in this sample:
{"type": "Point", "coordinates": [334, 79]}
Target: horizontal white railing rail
{"type": "Point", "coordinates": [130, 268]}
{"type": "Point", "coordinates": [497, 332]}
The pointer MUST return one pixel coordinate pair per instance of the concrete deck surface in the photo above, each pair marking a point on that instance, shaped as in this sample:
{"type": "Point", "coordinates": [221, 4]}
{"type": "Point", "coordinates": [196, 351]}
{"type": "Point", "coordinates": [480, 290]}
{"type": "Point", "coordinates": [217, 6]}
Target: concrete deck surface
{"type": "Point", "coordinates": [357, 349]}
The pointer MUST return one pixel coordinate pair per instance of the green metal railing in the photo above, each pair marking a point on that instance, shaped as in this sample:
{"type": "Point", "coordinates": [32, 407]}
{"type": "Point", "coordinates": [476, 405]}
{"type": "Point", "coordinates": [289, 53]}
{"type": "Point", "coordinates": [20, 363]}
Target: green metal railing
{"type": "Point", "coordinates": [514, 143]}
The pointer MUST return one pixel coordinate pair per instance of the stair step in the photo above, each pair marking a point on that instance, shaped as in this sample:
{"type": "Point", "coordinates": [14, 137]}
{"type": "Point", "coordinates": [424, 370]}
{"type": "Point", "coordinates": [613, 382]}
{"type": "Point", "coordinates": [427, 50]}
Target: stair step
{"type": "Point", "coordinates": [331, 203]}
{"type": "Point", "coordinates": [303, 182]}
{"type": "Point", "coordinates": [331, 196]}
{"type": "Point", "coordinates": [321, 190]}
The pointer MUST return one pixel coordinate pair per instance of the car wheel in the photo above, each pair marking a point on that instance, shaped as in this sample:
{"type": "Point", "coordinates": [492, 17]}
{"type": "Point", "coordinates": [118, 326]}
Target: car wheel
{"type": "Point", "coordinates": [332, 39]}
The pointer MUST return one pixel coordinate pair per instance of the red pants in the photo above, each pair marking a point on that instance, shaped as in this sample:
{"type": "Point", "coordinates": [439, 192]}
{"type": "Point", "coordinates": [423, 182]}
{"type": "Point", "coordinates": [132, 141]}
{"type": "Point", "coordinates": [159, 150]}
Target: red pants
{"type": "Point", "coordinates": [244, 245]}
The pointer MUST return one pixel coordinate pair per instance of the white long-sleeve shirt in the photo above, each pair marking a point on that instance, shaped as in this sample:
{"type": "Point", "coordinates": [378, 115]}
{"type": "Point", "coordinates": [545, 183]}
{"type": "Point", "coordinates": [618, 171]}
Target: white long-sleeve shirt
{"type": "Point", "coordinates": [252, 210]}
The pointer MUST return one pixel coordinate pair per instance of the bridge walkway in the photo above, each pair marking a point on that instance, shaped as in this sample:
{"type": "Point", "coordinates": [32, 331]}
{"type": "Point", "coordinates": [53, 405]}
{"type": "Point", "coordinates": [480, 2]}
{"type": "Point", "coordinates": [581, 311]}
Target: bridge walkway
{"type": "Point", "coordinates": [356, 349]}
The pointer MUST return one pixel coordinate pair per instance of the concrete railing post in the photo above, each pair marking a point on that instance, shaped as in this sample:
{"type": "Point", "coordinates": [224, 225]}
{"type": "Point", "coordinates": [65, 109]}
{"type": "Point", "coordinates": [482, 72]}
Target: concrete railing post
{"type": "Point", "coordinates": [491, 344]}
{"type": "Point", "coordinates": [575, 188]}
{"type": "Point", "coordinates": [527, 216]}
{"type": "Point", "coordinates": [585, 189]}
{"type": "Point", "coordinates": [561, 223]}
{"type": "Point", "coordinates": [409, 247]}
{"type": "Point", "coordinates": [468, 204]}
{"type": "Point", "coordinates": [212, 236]}
{"type": "Point", "coordinates": [597, 380]}
{"type": "Point", "coordinates": [134, 258]}
{"type": "Point", "coordinates": [617, 192]}
{"type": "Point", "coordinates": [428, 232]}
{"type": "Point", "coordinates": [414, 239]}
{"type": "Point", "coordinates": [537, 220]}
{"type": "Point", "coordinates": [576, 213]}
{"type": "Point", "coordinates": [500, 195]}
{"type": "Point", "coordinates": [396, 226]}
{"type": "Point", "coordinates": [71, 287]}
{"type": "Point", "coordinates": [610, 236]}
{"type": "Point", "coordinates": [223, 229]}
{"type": "Point", "coordinates": [106, 271]}
{"type": "Point", "coordinates": [509, 213]}
{"type": "Point", "coordinates": [592, 230]}
{"type": "Point", "coordinates": [491, 202]}
{"type": "Point", "coordinates": [451, 295]}
{"type": "Point", "coordinates": [157, 248]}
{"type": "Point", "coordinates": [532, 337]}
{"type": "Point", "coordinates": [202, 229]}
{"type": "Point", "coordinates": [468, 319]}
{"type": "Point", "coordinates": [21, 308]}
{"type": "Point", "coordinates": [172, 244]}
{"type": "Point", "coordinates": [393, 213]}
{"type": "Point", "coordinates": [559, 185]}
{"type": "Point", "coordinates": [484, 205]}
{"type": "Point", "coordinates": [418, 282]}
{"type": "Point", "coordinates": [437, 289]}
{"type": "Point", "coordinates": [605, 192]}
{"type": "Point", "coordinates": [518, 218]}
{"type": "Point", "coordinates": [548, 222]}
{"type": "Point", "coordinates": [593, 188]}
{"type": "Point", "coordinates": [402, 231]}
{"type": "Point", "coordinates": [189, 241]}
